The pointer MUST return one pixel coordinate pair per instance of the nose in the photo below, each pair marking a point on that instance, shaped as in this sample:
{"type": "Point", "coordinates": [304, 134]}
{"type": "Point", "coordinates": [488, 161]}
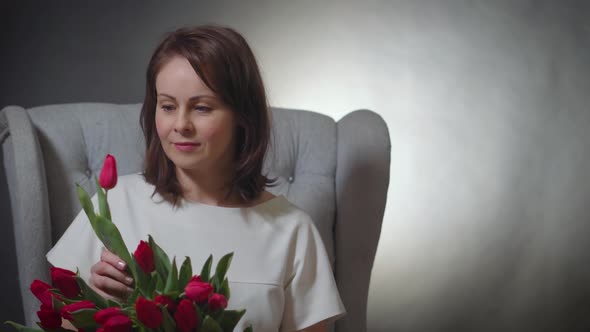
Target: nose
{"type": "Point", "coordinates": [183, 123]}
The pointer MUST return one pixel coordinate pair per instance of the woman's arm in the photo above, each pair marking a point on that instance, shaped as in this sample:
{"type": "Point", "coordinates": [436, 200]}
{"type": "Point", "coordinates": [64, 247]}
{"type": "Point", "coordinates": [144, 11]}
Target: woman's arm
{"type": "Point", "coordinates": [319, 327]}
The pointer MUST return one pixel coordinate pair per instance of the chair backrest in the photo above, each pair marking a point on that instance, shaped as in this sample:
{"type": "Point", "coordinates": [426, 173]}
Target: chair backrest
{"type": "Point", "coordinates": [338, 172]}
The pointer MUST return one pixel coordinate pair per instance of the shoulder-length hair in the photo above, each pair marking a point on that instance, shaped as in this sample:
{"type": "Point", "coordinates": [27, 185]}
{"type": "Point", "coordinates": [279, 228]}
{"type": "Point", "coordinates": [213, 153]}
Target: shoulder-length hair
{"type": "Point", "coordinates": [224, 61]}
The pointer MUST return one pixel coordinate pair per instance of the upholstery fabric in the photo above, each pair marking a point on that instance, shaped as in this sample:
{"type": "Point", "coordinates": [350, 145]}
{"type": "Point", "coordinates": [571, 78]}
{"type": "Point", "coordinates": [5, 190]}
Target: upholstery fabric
{"type": "Point", "coordinates": [338, 172]}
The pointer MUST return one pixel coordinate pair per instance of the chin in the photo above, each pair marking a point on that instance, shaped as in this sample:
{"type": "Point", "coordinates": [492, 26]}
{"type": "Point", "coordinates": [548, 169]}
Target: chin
{"type": "Point", "coordinates": [186, 165]}
{"type": "Point", "coordinates": [184, 162]}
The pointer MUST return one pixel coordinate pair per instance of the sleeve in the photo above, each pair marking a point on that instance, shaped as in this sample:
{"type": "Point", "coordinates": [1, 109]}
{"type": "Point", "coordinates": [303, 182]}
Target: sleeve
{"type": "Point", "coordinates": [78, 247]}
{"type": "Point", "coordinates": [311, 295]}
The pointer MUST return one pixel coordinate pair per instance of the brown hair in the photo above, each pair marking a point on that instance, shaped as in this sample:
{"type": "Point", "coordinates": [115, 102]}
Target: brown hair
{"type": "Point", "coordinates": [224, 61]}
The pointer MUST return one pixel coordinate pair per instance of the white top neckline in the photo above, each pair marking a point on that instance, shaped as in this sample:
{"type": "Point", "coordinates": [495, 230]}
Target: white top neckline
{"type": "Point", "coordinates": [189, 204]}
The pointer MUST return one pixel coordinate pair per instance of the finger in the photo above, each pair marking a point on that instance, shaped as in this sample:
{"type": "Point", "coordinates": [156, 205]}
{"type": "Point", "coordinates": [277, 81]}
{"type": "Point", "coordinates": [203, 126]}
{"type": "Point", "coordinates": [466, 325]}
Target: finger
{"type": "Point", "coordinates": [107, 270]}
{"type": "Point", "coordinates": [105, 295]}
{"type": "Point", "coordinates": [114, 260]}
{"type": "Point", "coordinates": [109, 297]}
{"type": "Point", "coordinates": [111, 287]}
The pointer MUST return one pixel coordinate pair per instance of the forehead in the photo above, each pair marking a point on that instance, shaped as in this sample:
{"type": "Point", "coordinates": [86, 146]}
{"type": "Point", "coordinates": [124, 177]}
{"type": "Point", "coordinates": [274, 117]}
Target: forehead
{"type": "Point", "coordinates": [178, 78]}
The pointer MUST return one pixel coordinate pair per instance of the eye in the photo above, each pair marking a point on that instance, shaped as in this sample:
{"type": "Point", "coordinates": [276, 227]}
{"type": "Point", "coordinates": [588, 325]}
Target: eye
{"type": "Point", "coordinates": [201, 108]}
{"type": "Point", "coordinates": [167, 108]}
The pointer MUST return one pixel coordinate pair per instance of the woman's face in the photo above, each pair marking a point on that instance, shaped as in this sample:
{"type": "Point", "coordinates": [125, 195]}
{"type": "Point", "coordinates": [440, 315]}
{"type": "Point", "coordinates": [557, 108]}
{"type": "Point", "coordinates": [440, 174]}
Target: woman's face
{"type": "Point", "coordinates": [195, 128]}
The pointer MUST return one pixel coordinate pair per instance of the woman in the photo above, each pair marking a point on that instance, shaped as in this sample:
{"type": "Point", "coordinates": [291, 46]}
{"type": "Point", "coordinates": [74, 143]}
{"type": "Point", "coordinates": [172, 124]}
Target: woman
{"type": "Point", "coordinates": [206, 126]}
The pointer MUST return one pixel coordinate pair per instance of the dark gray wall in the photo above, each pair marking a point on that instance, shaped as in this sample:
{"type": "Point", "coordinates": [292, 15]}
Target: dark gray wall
{"type": "Point", "coordinates": [487, 224]}
{"type": "Point", "coordinates": [66, 51]}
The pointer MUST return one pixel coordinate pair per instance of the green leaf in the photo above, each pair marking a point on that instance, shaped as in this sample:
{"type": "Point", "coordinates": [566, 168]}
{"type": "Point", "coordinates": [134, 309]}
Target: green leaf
{"type": "Point", "coordinates": [142, 280]}
{"type": "Point", "coordinates": [161, 260]}
{"type": "Point", "coordinates": [57, 304]}
{"type": "Point", "coordinates": [206, 270]}
{"type": "Point", "coordinates": [64, 300]}
{"type": "Point", "coordinates": [248, 329]}
{"type": "Point", "coordinates": [103, 205]}
{"type": "Point", "coordinates": [59, 329]}
{"type": "Point", "coordinates": [130, 300]}
{"type": "Point", "coordinates": [84, 318]}
{"type": "Point", "coordinates": [224, 289]}
{"type": "Point", "coordinates": [230, 319]}
{"type": "Point", "coordinates": [21, 328]}
{"type": "Point", "coordinates": [159, 284]}
{"type": "Point", "coordinates": [111, 303]}
{"type": "Point", "coordinates": [215, 283]}
{"type": "Point", "coordinates": [110, 236]}
{"type": "Point", "coordinates": [102, 225]}
{"type": "Point", "coordinates": [223, 266]}
{"type": "Point", "coordinates": [152, 284]}
{"type": "Point", "coordinates": [172, 281]}
{"type": "Point", "coordinates": [87, 205]}
{"type": "Point", "coordinates": [168, 323]}
{"type": "Point", "coordinates": [199, 315]}
{"type": "Point", "coordinates": [185, 274]}
{"type": "Point", "coordinates": [89, 294]}
{"type": "Point", "coordinates": [69, 301]}
{"type": "Point", "coordinates": [210, 325]}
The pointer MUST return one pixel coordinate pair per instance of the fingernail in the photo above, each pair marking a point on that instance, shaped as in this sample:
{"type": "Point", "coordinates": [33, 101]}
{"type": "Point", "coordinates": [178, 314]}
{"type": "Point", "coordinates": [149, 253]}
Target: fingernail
{"type": "Point", "coordinates": [121, 265]}
{"type": "Point", "coordinates": [130, 290]}
{"type": "Point", "coordinates": [129, 280]}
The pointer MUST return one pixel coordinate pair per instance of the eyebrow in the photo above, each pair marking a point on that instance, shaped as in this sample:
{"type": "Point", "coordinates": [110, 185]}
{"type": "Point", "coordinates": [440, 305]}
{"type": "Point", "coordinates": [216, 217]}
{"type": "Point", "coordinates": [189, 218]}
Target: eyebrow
{"type": "Point", "coordinates": [190, 99]}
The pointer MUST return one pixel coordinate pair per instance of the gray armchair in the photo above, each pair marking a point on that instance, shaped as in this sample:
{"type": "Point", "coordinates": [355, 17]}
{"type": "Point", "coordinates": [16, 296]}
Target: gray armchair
{"type": "Point", "coordinates": [338, 172]}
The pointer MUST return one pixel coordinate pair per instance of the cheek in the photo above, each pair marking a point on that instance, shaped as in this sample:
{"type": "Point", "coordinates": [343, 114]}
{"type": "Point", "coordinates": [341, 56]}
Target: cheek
{"type": "Point", "coordinates": [210, 130]}
{"type": "Point", "coordinates": [161, 127]}
{"type": "Point", "coordinates": [209, 133]}
{"type": "Point", "coordinates": [218, 134]}
{"type": "Point", "coordinates": [218, 130]}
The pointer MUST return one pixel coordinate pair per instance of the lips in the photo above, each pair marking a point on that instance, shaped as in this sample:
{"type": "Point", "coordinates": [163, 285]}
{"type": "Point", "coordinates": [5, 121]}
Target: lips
{"type": "Point", "coordinates": [186, 146]}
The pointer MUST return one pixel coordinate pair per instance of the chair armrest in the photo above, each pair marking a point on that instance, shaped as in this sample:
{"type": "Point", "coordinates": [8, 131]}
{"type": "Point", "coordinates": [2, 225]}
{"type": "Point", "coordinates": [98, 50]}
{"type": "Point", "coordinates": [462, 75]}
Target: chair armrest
{"type": "Point", "coordinates": [25, 173]}
{"type": "Point", "coordinates": [362, 180]}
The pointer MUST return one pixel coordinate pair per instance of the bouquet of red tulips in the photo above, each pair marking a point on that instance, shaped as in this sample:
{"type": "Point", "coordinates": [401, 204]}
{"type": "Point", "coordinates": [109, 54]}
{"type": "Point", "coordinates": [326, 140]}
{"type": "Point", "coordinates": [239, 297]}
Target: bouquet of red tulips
{"type": "Point", "coordinates": [165, 298]}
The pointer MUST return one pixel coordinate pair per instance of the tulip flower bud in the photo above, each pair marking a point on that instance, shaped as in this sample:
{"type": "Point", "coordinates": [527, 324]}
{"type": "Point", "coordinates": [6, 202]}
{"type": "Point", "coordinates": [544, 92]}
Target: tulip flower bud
{"type": "Point", "coordinates": [217, 301]}
{"type": "Point", "coordinates": [186, 317]}
{"type": "Point", "coordinates": [65, 281]}
{"type": "Point", "coordinates": [108, 174]}
{"type": "Point", "coordinates": [144, 255]}
{"type": "Point", "coordinates": [148, 313]}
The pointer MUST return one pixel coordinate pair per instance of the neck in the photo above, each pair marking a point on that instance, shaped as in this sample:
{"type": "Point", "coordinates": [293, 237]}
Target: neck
{"type": "Point", "coordinates": [208, 187]}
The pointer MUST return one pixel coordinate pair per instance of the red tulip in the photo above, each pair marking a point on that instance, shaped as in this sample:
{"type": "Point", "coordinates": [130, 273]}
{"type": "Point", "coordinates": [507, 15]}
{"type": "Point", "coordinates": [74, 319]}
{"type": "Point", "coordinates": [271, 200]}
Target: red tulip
{"type": "Point", "coordinates": [50, 319]}
{"type": "Point", "coordinates": [198, 291]}
{"type": "Point", "coordinates": [41, 291]}
{"type": "Point", "coordinates": [68, 310]}
{"type": "Point", "coordinates": [108, 174]}
{"type": "Point", "coordinates": [167, 302]}
{"type": "Point", "coordinates": [148, 313]}
{"type": "Point", "coordinates": [217, 301]}
{"type": "Point", "coordinates": [186, 316]}
{"type": "Point", "coordinates": [103, 315]}
{"type": "Point", "coordinates": [145, 257]}
{"type": "Point", "coordinates": [65, 281]}
{"type": "Point", "coordinates": [196, 278]}
{"type": "Point", "coordinates": [118, 324]}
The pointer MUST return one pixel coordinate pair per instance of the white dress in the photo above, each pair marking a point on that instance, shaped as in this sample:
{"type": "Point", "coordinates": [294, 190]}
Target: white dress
{"type": "Point", "coordinates": [280, 272]}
